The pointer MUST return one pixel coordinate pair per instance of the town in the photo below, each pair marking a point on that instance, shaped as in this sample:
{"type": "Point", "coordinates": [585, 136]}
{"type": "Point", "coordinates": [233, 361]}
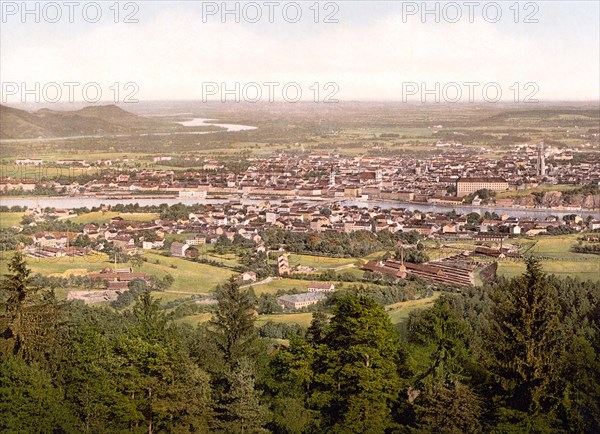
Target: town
{"type": "Point", "coordinates": [452, 178]}
{"type": "Point", "coordinates": [446, 248]}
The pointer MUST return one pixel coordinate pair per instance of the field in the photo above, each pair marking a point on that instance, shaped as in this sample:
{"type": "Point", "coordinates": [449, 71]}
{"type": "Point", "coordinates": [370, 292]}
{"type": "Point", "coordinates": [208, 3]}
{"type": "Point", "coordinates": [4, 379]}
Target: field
{"type": "Point", "coordinates": [556, 258]}
{"type": "Point", "coordinates": [101, 217]}
{"type": "Point", "coordinates": [8, 219]}
{"type": "Point", "coordinates": [303, 319]}
{"type": "Point", "coordinates": [399, 312]}
{"type": "Point", "coordinates": [319, 262]}
{"type": "Point", "coordinates": [190, 277]}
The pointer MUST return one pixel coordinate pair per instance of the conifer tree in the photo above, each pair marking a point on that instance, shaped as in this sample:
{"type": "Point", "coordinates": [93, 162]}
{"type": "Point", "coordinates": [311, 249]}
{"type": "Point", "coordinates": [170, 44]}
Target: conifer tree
{"type": "Point", "coordinates": [232, 329]}
{"type": "Point", "coordinates": [356, 368]}
{"type": "Point", "coordinates": [526, 346]}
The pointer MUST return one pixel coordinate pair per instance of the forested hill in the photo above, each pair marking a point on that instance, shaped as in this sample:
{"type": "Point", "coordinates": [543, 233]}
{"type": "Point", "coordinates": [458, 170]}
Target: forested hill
{"type": "Point", "coordinates": [516, 356]}
{"type": "Point", "coordinates": [92, 120]}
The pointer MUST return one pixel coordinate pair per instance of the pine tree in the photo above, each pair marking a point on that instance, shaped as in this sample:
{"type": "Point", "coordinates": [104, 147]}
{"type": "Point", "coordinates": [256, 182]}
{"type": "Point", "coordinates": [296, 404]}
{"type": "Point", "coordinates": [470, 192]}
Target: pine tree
{"type": "Point", "coordinates": [15, 292]}
{"type": "Point", "coordinates": [526, 346]}
{"type": "Point", "coordinates": [356, 368]}
{"type": "Point", "coordinates": [449, 408]}
{"type": "Point", "coordinates": [316, 331]}
{"type": "Point", "coordinates": [444, 337]}
{"type": "Point", "coordinates": [150, 319]}
{"type": "Point", "coordinates": [241, 410]}
{"type": "Point", "coordinates": [232, 329]}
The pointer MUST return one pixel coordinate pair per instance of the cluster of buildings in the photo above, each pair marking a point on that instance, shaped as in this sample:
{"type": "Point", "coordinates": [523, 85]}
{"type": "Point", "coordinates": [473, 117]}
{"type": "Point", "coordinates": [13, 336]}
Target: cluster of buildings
{"type": "Point", "coordinates": [439, 178]}
{"type": "Point", "coordinates": [233, 219]}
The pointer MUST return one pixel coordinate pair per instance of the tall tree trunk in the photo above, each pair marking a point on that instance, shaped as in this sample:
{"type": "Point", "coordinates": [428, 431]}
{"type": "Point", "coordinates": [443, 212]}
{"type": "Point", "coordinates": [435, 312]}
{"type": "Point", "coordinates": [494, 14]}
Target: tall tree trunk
{"type": "Point", "coordinates": [149, 411]}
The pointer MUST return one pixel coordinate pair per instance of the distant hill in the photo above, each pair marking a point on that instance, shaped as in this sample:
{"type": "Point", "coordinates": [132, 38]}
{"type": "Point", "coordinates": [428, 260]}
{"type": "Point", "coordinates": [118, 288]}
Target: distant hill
{"type": "Point", "coordinates": [106, 119]}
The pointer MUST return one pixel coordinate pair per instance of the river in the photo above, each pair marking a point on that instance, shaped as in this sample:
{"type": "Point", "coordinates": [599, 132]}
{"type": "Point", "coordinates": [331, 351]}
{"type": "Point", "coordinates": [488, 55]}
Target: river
{"type": "Point", "coordinates": [196, 122]}
{"type": "Point", "coordinates": [89, 202]}
{"type": "Point", "coordinates": [199, 122]}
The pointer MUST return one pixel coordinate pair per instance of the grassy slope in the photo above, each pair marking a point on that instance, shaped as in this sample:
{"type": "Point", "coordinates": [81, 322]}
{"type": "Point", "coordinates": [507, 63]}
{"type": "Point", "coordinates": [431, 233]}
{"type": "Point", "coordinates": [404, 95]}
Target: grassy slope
{"type": "Point", "coordinates": [399, 312]}
{"type": "Point", "coordinates": [189, 276]}
{"type": "Point", "coordinates": [556, 258]}
{"type": "Point", "coordinates": [8, 219]}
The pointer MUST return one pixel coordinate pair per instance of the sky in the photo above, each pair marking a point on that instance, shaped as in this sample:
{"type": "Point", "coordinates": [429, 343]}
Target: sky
{"type": "Point", "coordinates": [371, 51]}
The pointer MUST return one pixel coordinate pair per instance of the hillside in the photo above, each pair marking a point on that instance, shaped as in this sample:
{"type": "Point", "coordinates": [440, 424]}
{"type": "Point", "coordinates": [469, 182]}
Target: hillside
{"type": "Point", "coordinates": [107, 119]}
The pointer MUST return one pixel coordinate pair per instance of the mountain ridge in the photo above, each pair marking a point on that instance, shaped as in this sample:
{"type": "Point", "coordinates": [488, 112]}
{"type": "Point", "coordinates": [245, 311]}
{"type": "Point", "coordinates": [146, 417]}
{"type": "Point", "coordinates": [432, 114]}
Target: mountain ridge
{"type": "Point", "coordinates": [92, 120]}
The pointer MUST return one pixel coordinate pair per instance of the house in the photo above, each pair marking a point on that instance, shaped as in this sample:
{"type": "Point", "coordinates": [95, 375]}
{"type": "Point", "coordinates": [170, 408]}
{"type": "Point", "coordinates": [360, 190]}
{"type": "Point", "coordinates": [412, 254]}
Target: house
{"type": "Point", "coordinates": [148, 245]}
{"type": "Point", "coordinates": [283, 265]}
{"type": "Point", "coordinates": [196, 240]}
{"type": "Point", "coordinates": [9, 184]}
{"type": "Point", "coordinates": [298, 301]}
{"type": "Point", "coordinates": [180, 250]}
{"type": "Point", "coordinates": [465, 186]}
{"type": "Point", "coordinates": [117, 279]}
{"type": "Point", "coordinates": [124, 242]}
{"type": "Point", "coordinates": [248, 276]}
{"type": "Point", "coordinates": [321, 287]}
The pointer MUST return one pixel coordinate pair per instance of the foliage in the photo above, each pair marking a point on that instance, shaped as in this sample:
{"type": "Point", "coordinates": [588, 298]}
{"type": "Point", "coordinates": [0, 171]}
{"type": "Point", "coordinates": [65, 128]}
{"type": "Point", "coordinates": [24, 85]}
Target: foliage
{"type": "Point", "coordinates": [514, 356]}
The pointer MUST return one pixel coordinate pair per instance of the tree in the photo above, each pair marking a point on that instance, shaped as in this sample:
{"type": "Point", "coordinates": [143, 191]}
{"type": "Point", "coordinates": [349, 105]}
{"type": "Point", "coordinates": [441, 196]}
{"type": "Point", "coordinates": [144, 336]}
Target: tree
{"type": "Point", "coordinates": [232, 328]}
{"type": "Point", "coordinates": [136, 260]}
{"type": "Point", "coordinates": [444, 338]}
{"type": "Point", "coordinates": [526, 345]}
{"type": "Point", "coordinates": [449, 408]}
{"type": "Point", "coordinates": [15, 291]}
{"type": "Point", "coordinates": [318, 327]}
{"type": "Point", "coordinates": [117, 255]}
{"type": "Point", "coordinates": [242, 411]}
{"type": "Point", "coordinates": [150, 319]}
{"type": "Point", "coordinates": [166, 282]}
{"type": "Point", "coordinates": [29, 403]}
{"type": "Point", "coordinates": [356, 368]}
{"type": "Point", "coordinates": [413, 255]}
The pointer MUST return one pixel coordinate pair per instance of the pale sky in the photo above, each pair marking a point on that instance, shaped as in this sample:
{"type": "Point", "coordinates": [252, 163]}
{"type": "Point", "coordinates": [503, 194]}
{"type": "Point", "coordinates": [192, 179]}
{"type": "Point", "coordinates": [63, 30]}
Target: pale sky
{"type": "Point", "coordinates": [370, 54]}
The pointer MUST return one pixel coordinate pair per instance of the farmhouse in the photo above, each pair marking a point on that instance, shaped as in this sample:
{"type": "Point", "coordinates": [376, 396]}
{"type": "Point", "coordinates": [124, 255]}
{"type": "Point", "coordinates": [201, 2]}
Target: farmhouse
{"type": "Point", "coordinates": [298, 301]}
{"type": "Point", "coordinates": [180, 250]}
{"type": "Point", "coordinates": [321, 287]}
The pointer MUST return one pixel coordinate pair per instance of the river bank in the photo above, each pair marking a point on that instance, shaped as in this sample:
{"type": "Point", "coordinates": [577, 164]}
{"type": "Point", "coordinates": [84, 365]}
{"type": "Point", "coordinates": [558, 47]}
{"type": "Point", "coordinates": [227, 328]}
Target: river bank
{"type": "Point", "coordinates": [97, 201]}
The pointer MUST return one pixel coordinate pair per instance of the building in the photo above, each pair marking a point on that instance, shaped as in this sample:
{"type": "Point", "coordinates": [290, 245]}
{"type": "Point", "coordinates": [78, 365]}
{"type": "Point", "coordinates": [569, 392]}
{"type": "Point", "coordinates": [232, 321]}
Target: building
{"type": "Point", "coordinates": [29, 162]}
{"type": "Point", "coordinates": [9, 184]}
{"type": "Point", "coordinates": [298, 301]}
{"type": "Point", "coordinates": [465, 186]}
{"type": "Point", "coordinates": [283, 265]}
{"type": "Point", "coordinates": [321, 287]}
{"type": "Point", "coordinates": [196, 240]}
{"type": "Point", "coordinates": [541, 160]}
{"type": "Point", "coordinates": [248, 276]}
{"type": "Point", "coordinates": [180, 250]}
{"type": "Point", "coordinates": [118, 279]}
